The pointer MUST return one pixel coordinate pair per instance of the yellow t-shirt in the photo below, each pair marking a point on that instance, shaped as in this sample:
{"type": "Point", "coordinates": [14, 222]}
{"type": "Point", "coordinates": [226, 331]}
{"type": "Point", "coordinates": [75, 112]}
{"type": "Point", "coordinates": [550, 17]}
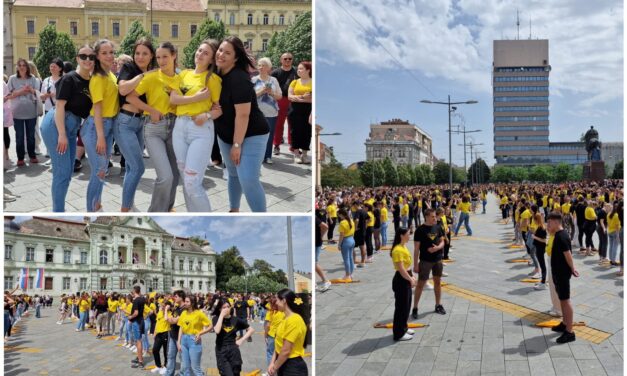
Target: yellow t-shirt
{"type": "Point", "coordinates": [251, 303]}
{"type": "Point", "coordinates": [294, 330]}
{"type": "Point", "coordinates": [401, 253]}
{"type": "Point", "coordinates": [464, 207]}
{"type": "Point", "coordinates": [193, 323]}
{"type": "Point", "coordinates": [347, 229]}
{"type": "Point", "coordinates": [405, 210]}
{"type": "Point", "coordinates": [128, 308]}
{"type": "Point", "coordinates": [162, 324]}
{"type": "Point", "coordinates": [613, 224]}
{"type": "Point", "coordinates": [157, 86]}
{"type": "Point", "coordinates": [113, 305]}
{"type": "Point", "coordinates": [104, 89]}
{"type": "Point", "coordinates": [590, 214]}
{"type": "Point", "coordinates": [332, 211]}
{"type": "Point", "coordinates": [544, 201]}
{"type": "Point", "coordinates": [566, 208]}
{"type": "Point", "coordinates": [370, 222]}
{"type": "Point", "coordinates": [525, 215]}
{"type": "Point", "coordinates": [384, 214]}
{"type": "Point", "coordinates": [190, 84]}
{"type": "Point", "coordinates": [504, 200]}
{"type": "Point", "coordinates": [444, 223]}
{"type": "Point", "coordinates": [84, 305]}
{"type": "Point", "coordinates": [549, 245]}
{"type": "Point", "coordinates": [276, 317]}
{"type": "Point", "coordinates": [299, 88]}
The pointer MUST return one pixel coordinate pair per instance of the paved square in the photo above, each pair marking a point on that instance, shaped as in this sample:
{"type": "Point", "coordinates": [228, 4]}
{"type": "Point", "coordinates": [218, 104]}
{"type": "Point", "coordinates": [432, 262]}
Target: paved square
{"type": "Point", "coordinates": [472, 338]}
{"type": "Point", "coordinates": [288, 186]}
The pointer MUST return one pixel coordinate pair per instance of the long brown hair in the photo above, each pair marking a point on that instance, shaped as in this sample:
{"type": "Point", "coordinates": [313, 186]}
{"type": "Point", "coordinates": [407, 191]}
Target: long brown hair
{"type": "Point", "coordinates": [17, 71]}
{"type": "Point", "coordinates": [97, 67]}
{"type": "Point", "coordinates": [539, 220]}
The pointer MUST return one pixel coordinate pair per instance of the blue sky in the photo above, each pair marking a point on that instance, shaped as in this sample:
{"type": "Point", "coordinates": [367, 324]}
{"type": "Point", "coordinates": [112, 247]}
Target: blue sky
{"type": "Point", "coordinates": [256, 237]}
{"type": "Point", "coordinates": [445, 47]}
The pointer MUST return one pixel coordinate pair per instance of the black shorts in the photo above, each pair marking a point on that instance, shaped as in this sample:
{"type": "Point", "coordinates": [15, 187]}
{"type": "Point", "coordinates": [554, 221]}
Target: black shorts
{"type": "Point", "coordinates": [426, 267]}
{"type": "Point", "coordinates": [562, 287]}
{"type": "Point", "coordinates": [359, 239]}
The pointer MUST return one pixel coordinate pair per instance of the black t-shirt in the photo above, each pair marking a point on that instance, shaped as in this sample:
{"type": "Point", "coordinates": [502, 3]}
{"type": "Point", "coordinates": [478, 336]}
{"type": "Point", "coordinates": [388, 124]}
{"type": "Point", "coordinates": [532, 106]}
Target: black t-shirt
{"type": "Point", "coordinates": [174, 328]}
{"type": "Point", "coordinates": [363, 219]}
{"type": "Point", "coordinates": [285, 78]}
{"type": "Point", "coordinates": [559, 266]}
{"type": "Point", "coordinates": [580, 211]}
{"type": "Point", "coordinates": [601, 215]}
{"type": "Point", "coordinates": [396, 212]}
{"type": "Point", "coordinates": [237, 89]}
{"type": "Point", "coordinates": [540, 233]}
{"type": "Point", "coordinates": [377, 218]}
{"type": "Point", "coordinates": [428, 236]}
{"type": "Point", "coordinates": [128, 72]}
{"type": "Point", "coordinates": [318, 233]}
{"type": "Point", "coordinates": [138, 305]}
{"type": "Point", "coordinates": [75, 90]}
{"type": "Point", "coordinates": [229, 330]}
{"type": "Point", "coordinates": [241, 309]}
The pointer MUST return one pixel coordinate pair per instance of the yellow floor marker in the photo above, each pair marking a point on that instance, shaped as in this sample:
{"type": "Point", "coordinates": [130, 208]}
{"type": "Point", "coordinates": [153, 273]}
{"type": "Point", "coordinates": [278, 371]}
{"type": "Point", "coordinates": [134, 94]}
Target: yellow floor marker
{"type": "Point", "coordinates": [517, 260]}
{"type": "Point", "coordinates": [448, 261]}
{"type": "Point", "coordinates": [341, 280]}
{"type": "Point", "coordinates": [530, 280]}
{"type": "Point", "coordinates": [514, 246]}
{"type": "Point", "coordinates": [256, 372]}
{"type": "Point", "coordinates": [553, 323]}
{"type": "Point", "coordinates": [390, 325]}
{"type": "Point", "coordinates": [386, 248]}
{"type": "Point", "coordinates": [151, 367]}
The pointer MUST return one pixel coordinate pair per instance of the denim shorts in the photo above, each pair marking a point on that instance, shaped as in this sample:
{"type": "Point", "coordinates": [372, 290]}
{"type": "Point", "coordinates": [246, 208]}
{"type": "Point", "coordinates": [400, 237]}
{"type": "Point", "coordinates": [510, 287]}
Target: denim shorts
{"type": "Point", "coordinates": [137, 329]}
{"type": "Point", "coordinates": [318, 250]}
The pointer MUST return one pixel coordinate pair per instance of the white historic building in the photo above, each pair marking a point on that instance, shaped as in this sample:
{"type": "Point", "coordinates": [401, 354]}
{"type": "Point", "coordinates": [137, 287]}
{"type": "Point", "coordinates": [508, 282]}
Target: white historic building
{"type": "Point", "coordinates": [401, 141]}
{"type": "Point", "coordinates": [108, 254]}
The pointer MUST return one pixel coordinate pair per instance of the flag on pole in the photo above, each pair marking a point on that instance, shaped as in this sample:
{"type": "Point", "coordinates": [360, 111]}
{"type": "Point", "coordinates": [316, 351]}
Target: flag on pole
{"type": "Point", "coordinates": [39, 279]}
{"type": "Point", "coordinates": [24, 278]}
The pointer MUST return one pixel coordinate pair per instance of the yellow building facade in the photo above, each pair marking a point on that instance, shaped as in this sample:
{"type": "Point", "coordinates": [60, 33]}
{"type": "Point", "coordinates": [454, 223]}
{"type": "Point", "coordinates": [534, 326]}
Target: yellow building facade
{"type": "Point", "coordinates": [176, 21]}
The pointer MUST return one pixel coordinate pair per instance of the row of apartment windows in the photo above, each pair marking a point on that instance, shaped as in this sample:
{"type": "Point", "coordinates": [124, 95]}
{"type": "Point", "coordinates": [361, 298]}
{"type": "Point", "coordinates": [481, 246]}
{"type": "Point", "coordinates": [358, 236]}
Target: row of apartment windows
{"type": "Point", "coordinates": [521, 138]}
{"type": "Point", "coordinates": [521, 148]}
{"type": "Point", "coordinates": [521, 99]}
{"type": "Point", "coordinates": [521, 108]}
{"type": "Point", "coordinates": [521, 88]}
{"type": "Point", "coordinates": [521, 118]}
{"type": "Point", "coordinates": [521, 78]}
{"type": "Point", "coordinates": [522, 128]}
{"type": "Point", "coordinates": [153, 284]}
{"type": "Point", "coordinates": [521, 69]}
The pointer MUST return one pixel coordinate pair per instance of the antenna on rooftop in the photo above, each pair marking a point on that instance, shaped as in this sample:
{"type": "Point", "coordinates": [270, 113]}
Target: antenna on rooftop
{"type": "Point", "coordinates": [529, 27]}
{"type": "Point", "coordinates": [517, 24]}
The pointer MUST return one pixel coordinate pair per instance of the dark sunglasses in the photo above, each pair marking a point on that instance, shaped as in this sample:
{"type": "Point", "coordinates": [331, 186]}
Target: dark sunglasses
{"type": "Point", "coordinates": [85, 57]}
{"type": "Point", "coordinates": [287, 58]}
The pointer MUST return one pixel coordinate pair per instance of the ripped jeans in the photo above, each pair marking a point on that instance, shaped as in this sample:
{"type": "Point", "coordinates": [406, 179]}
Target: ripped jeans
{"type": "Point", "coordinates": [192, 157]}
{"type": "Point", "coordinates": [98, 163]}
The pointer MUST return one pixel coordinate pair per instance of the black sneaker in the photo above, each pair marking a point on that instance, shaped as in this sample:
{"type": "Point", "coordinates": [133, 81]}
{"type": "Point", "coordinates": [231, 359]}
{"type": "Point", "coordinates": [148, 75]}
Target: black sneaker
{"type": "Point", "coordinates": [138, 365]}
{"type": "Point", "coordinates": [250, 339]}
{"type": "Point", "coordinates": [77, 165]}
{"type": "Point", "coordinates": [560, 328]}
{"type": "Point", "coordinates": [566, 337]}
{"type": "Point", "coordinates": [136, 360]}
{"type": "Point", "coordinates": [439, 309]}
{"type": "Point", "coordinates": [414, 313]}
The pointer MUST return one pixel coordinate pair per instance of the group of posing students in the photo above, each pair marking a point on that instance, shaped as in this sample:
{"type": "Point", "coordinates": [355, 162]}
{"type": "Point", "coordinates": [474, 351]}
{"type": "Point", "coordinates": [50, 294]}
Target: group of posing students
{"type": "Point", "coordinates": [173, 115]}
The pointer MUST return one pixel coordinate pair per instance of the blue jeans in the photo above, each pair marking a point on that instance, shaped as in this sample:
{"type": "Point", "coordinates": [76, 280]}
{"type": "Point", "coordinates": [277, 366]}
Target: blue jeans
{"type": "Point", "coordinates": [484, 204]}
{"type": "Point", "coordinates": [145, 342]}
{"type": "Point", "coordinates": [270, 349]}
{"type": "Point", "coordinates": [384, 233]}
{"type": "Point", "coordinates": [463, 218]}
{"type": "Point", "coordinates": [82, 321]}
{"type": "Point", "coordinates": [192, 158]}
{"type": "Point", "coordinates": [271, 124]}
{"type": "Point", "coordinates": [172, 351]}
{"type": "Point", "coordinates": [614, 244]}
{"type": "Point", "coordinates": [404, 220]}
{"type": "Point", "coordinates": [98, 163]}
{"type": "Point", "coordinates": [245, 177]}
{"type": "Point", "coordinates": [128, 132]}
{"type": "Point", "coordinates": [191, 353]}
{"type": "Point", "coordinates": [158, 138]}
{"type": "Point", "coordinates": [38, 311]}
{"type": "Point", "coordinates": [347, 246]}
{"type": "Point", "coordinates": [25, 126]}
{"type": "Point", "coordinates": [62, 164]}
{"type": "Point", "coordinates": [122, 326]}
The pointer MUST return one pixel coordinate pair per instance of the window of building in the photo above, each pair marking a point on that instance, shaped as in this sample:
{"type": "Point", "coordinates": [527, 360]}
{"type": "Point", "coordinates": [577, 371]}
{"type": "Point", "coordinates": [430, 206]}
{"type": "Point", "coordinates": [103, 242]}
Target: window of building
{"type": "Point", "coordinates": [30, 254]}
{"type": "Point", "coordinates": [73, 28]}
{"type": "Point", "coordinates": [191, 265]}
{"type": "Point", "coordinates": [520, 118]}
{"type": "Point", "coordinates": [232, 19]}
{"type": "Point", "coordinates": [116, 29]}
{"type": "Point", "coordinates": [175, 31]}
{"type": "Point", "coordinates": [30, 283]}
{"type": "Point", "coordinates": [522, 99]}
{"type": "Point", "coordinates": [180, 264]}
{"type": "Point", "coordinates": [498, 128]}
{"type": "Point", "coordinates": [199, 266]}
{"type": "Point", "coordinates": [52, 22]}
{"type": "Point", "coordinates": [8, 252]}
{"type": "Point", "coordinates": [264, 45]}
{"type": "Point", "coordinates": [181, 282]}
{"type": "Point", "coordinates": [104, 257]}
{"type": "Point", "coordinates": [266, 19]}
{"type": "Point", "coordinates": [200, 286]}
{"type": "Point", "coordinates": [192, 30]}
{"type": "Point", "coordinates": [30, 26]}
{"type": "Point", "coordinates": [122, 283]}
{"type": "Point", "coordinates": [103, 284]}
{"type": "Point", "coordinates": [82, 284]}
{"type": "Point", "coordinates": [48, 283]}
{"type": "Point", "coordinates": [155, 32]}
{"type": "Point", "coordinates": [31, 53]}
{"type": "Point", "coordinates": [250, 18]}
{"type": "Point", "coordinates": [520, 78]}
{"type": "Point", "coordinates": [249, 44]}
{"type": "Point", "coordinates": [95, 28]}
{"type": "Point", "coordinates": [67, 256]}
{"type": "Point", "coordinates": [521, 88]}
{"type": "Point", "coordinates": [216, 17]}
{"type": "Point", "coordinates": [210, 266]}
{"type": "Point", "coordinates": [139, 220]}
{"type": "Point", "coordinates": [8, 283]}
{"type": "Point", "coordinates": [155, 283]}
{"type": "Point", "coordinates": [521, 108]}
{"type": "Point", "coordinates": [521, 69]}
{"type": "Point", "coordinates": [191, 285]}
{"type": "Point", "coordinates": [83, 257]}
{"type": "Point", "coordinates": [281, 19]}
{"type": "Point", "coordinates": [49, 255]}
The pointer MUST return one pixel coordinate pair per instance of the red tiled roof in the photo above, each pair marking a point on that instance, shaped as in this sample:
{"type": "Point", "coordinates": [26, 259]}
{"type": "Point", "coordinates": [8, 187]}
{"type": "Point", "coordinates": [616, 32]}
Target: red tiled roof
{"type": "Point", "coordinates": [163, 5]}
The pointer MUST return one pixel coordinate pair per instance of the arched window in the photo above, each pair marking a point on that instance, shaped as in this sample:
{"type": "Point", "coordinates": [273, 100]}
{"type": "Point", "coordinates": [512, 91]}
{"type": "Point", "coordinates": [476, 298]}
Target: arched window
{"type": "Point", "coordinates": [104, 256]}
{"type": "Point", "coordinates": [266, 19]}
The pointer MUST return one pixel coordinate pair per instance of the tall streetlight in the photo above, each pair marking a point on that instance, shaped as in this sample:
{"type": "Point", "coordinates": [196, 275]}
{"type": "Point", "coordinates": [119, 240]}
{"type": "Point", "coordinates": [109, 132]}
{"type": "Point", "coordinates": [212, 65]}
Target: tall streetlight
{"type": "Point", "coordinates": [471, 146]}
{"type": "Point", "coordinates": [464, 132]}
{"type": "Point", "coordinates": [479, 167]}
{"type": "Point", "coordinates": [450, 147]}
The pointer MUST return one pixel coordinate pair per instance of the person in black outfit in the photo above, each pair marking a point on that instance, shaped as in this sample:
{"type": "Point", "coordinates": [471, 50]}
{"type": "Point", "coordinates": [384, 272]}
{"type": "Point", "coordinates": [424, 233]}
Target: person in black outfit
{"type": "Point", "coordinates": [396, 214]}
{"type": "Point", "coordinates": [562, 268]}
{"type": "Point", "coordinates": [580, 210]}
{"type": "Point", "coordinates": [136, 319]}
{"type": "Point", "coordinates": [241, 311]}
{"type": "Point", "coordinates": [428, 245]}
{"type": "Point", "coordinates": [360, 232]}
{"type": "Point", "coordinates": [285, 74]}
{"type": "Point", "coordinates": [228, 356]}
{"type": "Point", "coordinates": [539, 241]}
{"type": "Point", "coordinates": [602, 231]}
{"type": "Point", "coordinates": [376, 231]}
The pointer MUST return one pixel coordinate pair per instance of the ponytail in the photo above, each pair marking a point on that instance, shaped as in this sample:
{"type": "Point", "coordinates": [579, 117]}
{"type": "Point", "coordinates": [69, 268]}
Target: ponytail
{"type": "Point", "coordinates": [397, 238]}
{"type": "Point", "coordinates": [299, 304]}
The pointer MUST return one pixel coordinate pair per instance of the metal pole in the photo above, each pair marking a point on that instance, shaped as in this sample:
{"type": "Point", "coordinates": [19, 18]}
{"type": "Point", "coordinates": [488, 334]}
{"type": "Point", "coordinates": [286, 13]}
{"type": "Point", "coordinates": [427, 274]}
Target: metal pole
{"type": "Point", "coordinates": [450, 151]}
{"type": "Point", "coordinates": [472, 180]}
{"type": "Point", "coordinates": [465, 168]}
{"type": "Point", "coordinates": [150, 19]}
{"type": "Point", "coordinates": [290, 259]}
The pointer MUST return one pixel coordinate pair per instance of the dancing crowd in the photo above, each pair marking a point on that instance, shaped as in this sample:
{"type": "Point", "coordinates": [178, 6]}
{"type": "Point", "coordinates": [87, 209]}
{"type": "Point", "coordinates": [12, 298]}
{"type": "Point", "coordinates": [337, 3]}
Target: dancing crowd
{"type": "Point", "coordinates": [547, 221]}
{"type": "Point", "coordinates": [171, 324]}
{"type": "Point", "coordinates": [228, 110]}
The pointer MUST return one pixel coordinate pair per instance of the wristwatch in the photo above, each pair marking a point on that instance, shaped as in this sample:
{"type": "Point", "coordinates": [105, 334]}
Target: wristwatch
{"type": "Point", "coordinates": [236, 145]}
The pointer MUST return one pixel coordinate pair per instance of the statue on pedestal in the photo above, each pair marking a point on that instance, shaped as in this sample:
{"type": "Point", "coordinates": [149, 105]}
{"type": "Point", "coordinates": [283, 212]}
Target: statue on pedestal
{"type": "Point", "coordinates": [593, 145]}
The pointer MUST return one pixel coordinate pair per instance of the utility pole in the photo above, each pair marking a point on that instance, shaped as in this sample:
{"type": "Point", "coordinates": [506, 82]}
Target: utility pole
{"type": "Point", "coordinates": [290, 257]}
{"type": "Point", "coordinates": [472, 172]}
{"type": "Point", "coordinates": [464, 132]}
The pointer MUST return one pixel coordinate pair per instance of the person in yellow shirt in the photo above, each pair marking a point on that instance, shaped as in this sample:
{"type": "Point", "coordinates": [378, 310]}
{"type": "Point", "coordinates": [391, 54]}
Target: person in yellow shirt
{"type": "Point", "coordinates": [384, 223]}
{"type": "Point", "coordinates": [464, 216]}
{"type": "Point", "coordinates": [193, 324]}
{"type": "Point", "coordinates": [613, 232]}
{"type": "Point", "coordinates": [160, 336]}
{"type": "Point", "coordinates": [484, 199]}
{"type": "Point", "coordinates": [405, 214]}
{"type": "Point", "coordinates": [112, 311]}
{"type": "Point", "coordinates": [97, 131]}
{"type": "Point", "coordinates": [402, 283]}
{"type": "Point", "coordinates": [84, 304]}
{"type": "Point", "coordinates": [346, 243]}
{"type": "Point", "coordinates": [274, 317]}
{"type": "Point", "coordinates": [300, 96]}
{"type": "Point", "coordinates": [194, 128]}
{"type": "Point", "coordinates": [370, 221]}
{"type": "Point", "coordinates": [290, 341]}
{"type": "Point", "coordinates": [331, 220]}
{"type": "Point", "coordinates": [226, 326]}
{"type": "Point", "coordinates": [590, 226]}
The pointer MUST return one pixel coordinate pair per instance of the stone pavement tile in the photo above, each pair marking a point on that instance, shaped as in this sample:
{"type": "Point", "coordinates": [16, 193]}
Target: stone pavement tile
{"type": "Point", "coordinates": [541, 365]}
{"type": "Point", "coordinates": [517, 368]}
{"type": "Point", "coordinates": [492, 345]}
{"type": "Point", "coordinates": [492, 362]}
{"type": "Point", "coordinates": [337, 353]}
{"type": "Point", "coordinates": [396, 367]}
{"type": "Point", "coordinates": [607, 355]}
{"type": "Point", "coordinates": [620, 350]}
{"type": "Point", "coordinates": [591, 367]}
{"type": "Point", "coordinates": [323, 368]}
{"type": "Point", "coordinates": [582, 351]}
{"type": "Point", "coordinates": [472, 338]}
{"type": "Point", "coordinates": [425, 354]}
{"type": "Point", "coordinates": [369, 369]}
{"type": "Point", "coordinates": [323, 346]}
{"type": "Point", "coordinates": [470, 352]}
{"type": "Point", "coordinates": [557, 350]}
{"type": "Point", "coordinates": [420, 368]}
{"type": "Point", "coordinates": [404, 350]}
{"type": "Point", "coordinates": [349, 367]}
{"type": "Point", "coordinates": [446, 362]}
{"type": "Point", "coordinates": [565, 367]}
{"type": "Point", "coordinates": [468, 368]}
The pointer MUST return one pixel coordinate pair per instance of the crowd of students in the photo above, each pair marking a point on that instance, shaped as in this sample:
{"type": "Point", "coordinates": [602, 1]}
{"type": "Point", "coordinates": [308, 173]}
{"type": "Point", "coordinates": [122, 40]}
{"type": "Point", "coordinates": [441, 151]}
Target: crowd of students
{"type": "Point", "coordinates": [175, 323]}
{"type": "Point", "coordinates": [223, 111]}
{"type": "Point", "coordinates": [546, 220]}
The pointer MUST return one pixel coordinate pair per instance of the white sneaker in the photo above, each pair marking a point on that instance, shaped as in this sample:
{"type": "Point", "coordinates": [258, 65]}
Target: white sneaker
{"type": "Point", "coordinates": [535, 276]}
{"type": "Point", "coordinates": [429, 286]}
{"type": "Point", "coordinates": [133, 348]}
{"type": "Point", "coordinates": [406, 337]}
{"type": "Point", "coordinates": [444, 274]}
{"type": "Point", "coordinates": [155, 370]}
{"type": "Point", "coordinates": [554, 313]}
{"type": "Point", "coordinates": [163, 370]}
{"type": "Point", "coordinates": [540, 286]}
{"type": "Point", "coordinates": [411, 332]}
{"type": "Point", "coordinates": [325, 286]}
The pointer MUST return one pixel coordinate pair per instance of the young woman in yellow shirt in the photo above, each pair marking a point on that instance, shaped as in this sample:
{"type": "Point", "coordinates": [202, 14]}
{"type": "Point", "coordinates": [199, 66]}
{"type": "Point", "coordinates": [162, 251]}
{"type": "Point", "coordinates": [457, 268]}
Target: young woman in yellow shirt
{"type": "Point", "coordinates": [291, 336]}
{"type": "Point", "coordinates": [402, 283]}
{"type": "Point", "coordinates": [300, 96]}
{"type": "Point", "coordinates": [346, 243]}
{"type": "Point", "coordinates": [193, 324]}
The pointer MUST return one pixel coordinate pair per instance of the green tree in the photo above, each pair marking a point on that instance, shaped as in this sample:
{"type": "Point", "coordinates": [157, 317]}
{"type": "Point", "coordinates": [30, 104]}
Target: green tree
{"type": "Point", "coordinates": [458, 175]}
{"type": "Point", "coordinates": [561, 173]}
{"type": "Point", "coordinates": [390, 171]}
{"type": "Point", "coordinates": [334, 176]}
{"type": "Point", "coordinates": [372, 172]}
{"type": "Point", "coordinates": [198, 240]}
{"type": "Point", "coordinates": [501, 174]}
{"type": "Point", "coordinates": [262, 267]}
{"type": "Point", "coordinates": [52, 45]}
{"type": "Point", "coordinates": [209, 29]}
{"type": "Point", "coordinates": [255, 284]}
{"type": "Point", "coordinates": [479, 172]}
{"type": "Point", "coordinates": [228, 264]}
{"type": "Point", "coordinates": [135, 31]}
{"type": "Point", "coordinates": [280, 276]}
{"type": "Point", "coordinates": [406, 175]}
{"type": "Point", "coordinates": [441, 172]}
{"type": "Point", "coordinates": [519, 174]}
{"type": "Point", "coordinates": [541, 173]}
{"type": "Point", "coordinates": [618, 170]}
{"type": "Point", "coordinates": [296, 39]}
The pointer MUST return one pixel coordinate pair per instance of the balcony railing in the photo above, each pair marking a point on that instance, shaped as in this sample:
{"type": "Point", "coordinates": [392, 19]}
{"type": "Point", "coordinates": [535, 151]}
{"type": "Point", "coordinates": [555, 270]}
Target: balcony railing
{"type": "Point", "coordinates": [137, 266]}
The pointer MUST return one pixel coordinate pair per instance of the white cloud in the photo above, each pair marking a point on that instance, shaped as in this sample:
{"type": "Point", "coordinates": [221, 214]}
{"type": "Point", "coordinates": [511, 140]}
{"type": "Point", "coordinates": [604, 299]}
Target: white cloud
{"type": "Point", "coordinates": [455, 42]}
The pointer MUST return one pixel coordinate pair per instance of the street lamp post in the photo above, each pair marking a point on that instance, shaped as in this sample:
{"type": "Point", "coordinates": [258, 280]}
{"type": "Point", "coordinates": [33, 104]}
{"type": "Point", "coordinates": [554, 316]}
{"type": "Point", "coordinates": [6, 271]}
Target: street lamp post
{"type": "Point", "coordinates": [464, 132]}
{"type": "Point", "coordinates": [450, 144]}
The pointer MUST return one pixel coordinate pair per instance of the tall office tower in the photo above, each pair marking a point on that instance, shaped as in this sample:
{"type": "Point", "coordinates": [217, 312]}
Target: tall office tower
{"type": "Point", "coordinates": [520, 81]}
